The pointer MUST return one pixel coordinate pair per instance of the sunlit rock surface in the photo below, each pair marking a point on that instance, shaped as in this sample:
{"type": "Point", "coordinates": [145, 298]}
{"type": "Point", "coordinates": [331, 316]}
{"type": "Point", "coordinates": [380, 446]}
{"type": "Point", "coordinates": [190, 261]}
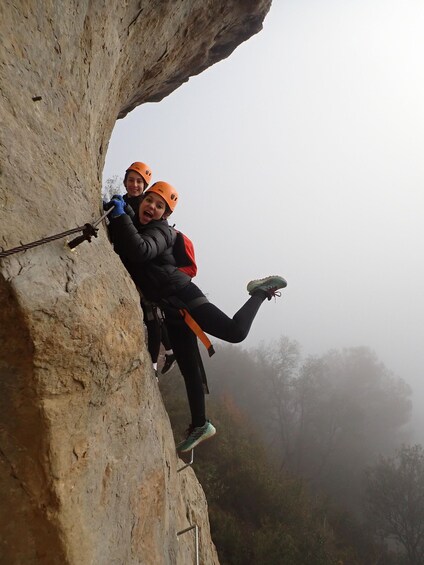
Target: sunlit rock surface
{"type": "Point", "coordinates": [88, 470]}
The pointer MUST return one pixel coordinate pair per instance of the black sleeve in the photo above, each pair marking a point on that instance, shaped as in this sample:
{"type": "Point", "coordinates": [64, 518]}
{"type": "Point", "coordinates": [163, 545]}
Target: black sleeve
{"type": "Point", "coordinates": [140, 247]}
{"type": "Point", "coordinates": [132, 205]}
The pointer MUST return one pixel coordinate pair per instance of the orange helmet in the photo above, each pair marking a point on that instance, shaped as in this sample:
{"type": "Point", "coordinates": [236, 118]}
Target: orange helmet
{"type": "Point", "coordinates": [141, 168]}
{"type": "Point", "coordinates": [168, 193]}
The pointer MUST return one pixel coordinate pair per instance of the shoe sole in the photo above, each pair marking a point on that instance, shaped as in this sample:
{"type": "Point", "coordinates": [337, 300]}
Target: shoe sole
{"type": "Point", "coordinates": [197, 442]}
{"type": "Point", "coordinates": [256, 284]}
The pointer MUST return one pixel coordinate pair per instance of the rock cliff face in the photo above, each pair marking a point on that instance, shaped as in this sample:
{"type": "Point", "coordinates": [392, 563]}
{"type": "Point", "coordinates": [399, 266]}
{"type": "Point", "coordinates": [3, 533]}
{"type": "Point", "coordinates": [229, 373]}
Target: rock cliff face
{"type": "Point", "coordinates": [88, 469]}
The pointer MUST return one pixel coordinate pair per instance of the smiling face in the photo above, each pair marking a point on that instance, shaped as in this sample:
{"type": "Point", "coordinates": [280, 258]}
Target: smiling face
{"type": "Point", "coordinates": [152, 207]}
{"type": "Point", "coordinates": [134, 183]}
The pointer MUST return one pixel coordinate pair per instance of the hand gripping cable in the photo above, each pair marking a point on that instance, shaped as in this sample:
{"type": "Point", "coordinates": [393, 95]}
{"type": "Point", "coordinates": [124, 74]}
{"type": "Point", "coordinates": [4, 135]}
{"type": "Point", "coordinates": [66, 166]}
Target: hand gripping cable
{"type": "Point", "coordinates": [88, 231]}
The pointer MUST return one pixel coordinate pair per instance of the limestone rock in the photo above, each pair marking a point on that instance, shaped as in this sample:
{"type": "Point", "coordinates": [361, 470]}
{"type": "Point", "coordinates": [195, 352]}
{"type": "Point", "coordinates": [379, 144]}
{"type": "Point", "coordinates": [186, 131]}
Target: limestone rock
{"type": "Point", "coordinates": [88, 470]}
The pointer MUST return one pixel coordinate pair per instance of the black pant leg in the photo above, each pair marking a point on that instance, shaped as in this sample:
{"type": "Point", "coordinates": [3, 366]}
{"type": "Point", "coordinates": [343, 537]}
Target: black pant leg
{"type": "Point", "coordinates": [186, 351]}
{"type": "Point", "coordinates": [165, 337]}
{"type": "Point", "coordinates": [153, 339]}
{"type": "Point", "coordinates": [152, 324]}
{"type": "Point", "coordinates": [234, 330]}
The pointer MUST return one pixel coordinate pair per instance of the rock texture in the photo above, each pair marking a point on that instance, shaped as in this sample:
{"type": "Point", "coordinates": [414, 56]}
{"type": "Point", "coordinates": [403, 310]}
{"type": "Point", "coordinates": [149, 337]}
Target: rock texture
{"type": "Point", "coordinates": [88, 470]}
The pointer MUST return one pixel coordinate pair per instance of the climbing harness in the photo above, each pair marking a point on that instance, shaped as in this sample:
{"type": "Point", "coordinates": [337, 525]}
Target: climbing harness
{"type": "Point", "coordinates": [178, 306]}
{"type": "Point", "coordinates": [88, 231]}
{"type": "Point", "coordinates": [180, 312]}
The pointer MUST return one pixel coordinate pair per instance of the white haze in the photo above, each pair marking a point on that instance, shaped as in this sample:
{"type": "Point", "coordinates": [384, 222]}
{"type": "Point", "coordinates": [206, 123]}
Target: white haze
{"type": "Point", "coordinates": [302, 154]}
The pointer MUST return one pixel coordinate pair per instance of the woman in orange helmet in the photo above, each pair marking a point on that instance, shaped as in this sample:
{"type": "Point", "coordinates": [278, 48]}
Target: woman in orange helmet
{"type": "Point", "coordinates": [136, 180]}
{"type": "Point", "coordinates": [146, 249]}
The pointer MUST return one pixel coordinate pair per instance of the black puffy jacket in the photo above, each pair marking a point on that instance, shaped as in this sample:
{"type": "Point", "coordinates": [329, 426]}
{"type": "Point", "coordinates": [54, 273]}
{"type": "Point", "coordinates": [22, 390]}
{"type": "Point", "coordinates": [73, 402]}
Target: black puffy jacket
{"type": "Point", "coordinates": [134, 202]}
{"type": "Point", "coordinates": [146, 251]}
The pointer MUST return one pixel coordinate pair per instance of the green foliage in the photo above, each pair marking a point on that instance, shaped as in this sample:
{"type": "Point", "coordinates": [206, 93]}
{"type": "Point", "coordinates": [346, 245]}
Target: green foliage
{"type": "Point", "coordinates": [258, 513]}
{"type": "Point", "coordinates": [287, 431]}
{"type": "Point", "coordinates": [326, 418]}
{"type": "Point", "coordinates": [395, 494]}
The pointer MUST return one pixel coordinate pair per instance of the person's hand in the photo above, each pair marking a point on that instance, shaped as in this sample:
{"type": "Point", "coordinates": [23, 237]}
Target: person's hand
{"type": "Point", "coordinates": [118, 204]}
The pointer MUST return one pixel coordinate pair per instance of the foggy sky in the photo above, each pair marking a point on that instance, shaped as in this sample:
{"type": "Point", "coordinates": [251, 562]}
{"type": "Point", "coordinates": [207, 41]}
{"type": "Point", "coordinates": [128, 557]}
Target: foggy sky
{"type": "Point", "coordinates": [302, 155]}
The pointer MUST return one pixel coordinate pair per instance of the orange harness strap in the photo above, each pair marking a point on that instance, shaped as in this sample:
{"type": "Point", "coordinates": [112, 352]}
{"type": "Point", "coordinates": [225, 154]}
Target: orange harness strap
{"type": "Point", "coordinates": [195, 328]}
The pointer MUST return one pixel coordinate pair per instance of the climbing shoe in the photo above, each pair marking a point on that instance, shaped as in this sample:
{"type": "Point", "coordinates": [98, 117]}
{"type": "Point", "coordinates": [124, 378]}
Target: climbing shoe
{"type": "Point", "coordinates": [268, 285]}
{"type": "Point", "coordinates": [169, 363]}
{"type": "Point", "coordinates": [196, 436]}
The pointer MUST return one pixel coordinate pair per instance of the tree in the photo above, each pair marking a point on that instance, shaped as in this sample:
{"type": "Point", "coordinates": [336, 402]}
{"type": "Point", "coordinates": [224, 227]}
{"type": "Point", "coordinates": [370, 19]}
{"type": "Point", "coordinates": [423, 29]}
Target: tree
{"type": "Point", "coordinates": [259, 512]}
{"type": "Point", "coordinates": [279, 365]}
{"type": "Point", "coordinates": [395, 495]}
{"type": "Point", "coordinates": [363, 414]}
{"type": "Point", "coordinates": [113, 185]}
{"type": "Point", "coordinates": [326, 418]}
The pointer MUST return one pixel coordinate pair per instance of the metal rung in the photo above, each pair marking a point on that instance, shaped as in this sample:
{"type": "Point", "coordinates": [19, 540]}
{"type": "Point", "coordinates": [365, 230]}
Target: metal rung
{"type": "Point", "coordinates": [196, 538]}
{"type": "Point", "coordinates": [189, 463]}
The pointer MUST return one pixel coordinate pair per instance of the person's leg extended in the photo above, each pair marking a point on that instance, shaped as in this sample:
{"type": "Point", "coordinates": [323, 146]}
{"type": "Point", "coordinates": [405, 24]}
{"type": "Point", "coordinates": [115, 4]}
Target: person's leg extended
{"type": "Point", "coordinates": [214, 322]}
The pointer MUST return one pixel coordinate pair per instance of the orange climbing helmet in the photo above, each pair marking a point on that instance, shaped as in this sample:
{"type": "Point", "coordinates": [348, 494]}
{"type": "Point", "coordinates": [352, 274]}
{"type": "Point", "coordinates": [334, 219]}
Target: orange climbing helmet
{"type": "Point", "coordinates": [142, 169]}
{"type": "Point", "coordinates": [167, 191]}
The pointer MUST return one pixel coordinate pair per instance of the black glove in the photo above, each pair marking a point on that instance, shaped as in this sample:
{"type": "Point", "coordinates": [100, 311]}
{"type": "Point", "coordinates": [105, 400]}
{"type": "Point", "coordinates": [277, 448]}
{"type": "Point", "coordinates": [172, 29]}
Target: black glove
{"type": "Point", "coordinates": [107, 205]}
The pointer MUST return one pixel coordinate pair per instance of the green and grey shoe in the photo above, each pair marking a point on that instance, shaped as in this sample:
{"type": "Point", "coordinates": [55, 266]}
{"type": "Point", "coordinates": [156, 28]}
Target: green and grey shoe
{"type": "Point", "coordinates": [196, 436]}
{"type": "Point", "coordinates": [268, 285]}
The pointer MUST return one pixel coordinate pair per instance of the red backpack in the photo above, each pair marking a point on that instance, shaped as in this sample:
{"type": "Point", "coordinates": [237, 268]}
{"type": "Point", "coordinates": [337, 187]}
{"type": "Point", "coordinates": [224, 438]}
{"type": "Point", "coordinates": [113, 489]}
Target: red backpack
{"type": "Point", "coordinates": [183, 252]}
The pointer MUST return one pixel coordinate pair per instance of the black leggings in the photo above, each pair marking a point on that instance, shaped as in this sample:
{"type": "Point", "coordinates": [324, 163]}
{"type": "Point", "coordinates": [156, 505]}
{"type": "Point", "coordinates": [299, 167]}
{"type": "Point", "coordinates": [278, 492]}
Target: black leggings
{"type": "Point", "coordinates": [156, 330]}
{"type": "Point", "coordinates": [234, 330]}
{"type": "Point", "coordinates": [185, 346]}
